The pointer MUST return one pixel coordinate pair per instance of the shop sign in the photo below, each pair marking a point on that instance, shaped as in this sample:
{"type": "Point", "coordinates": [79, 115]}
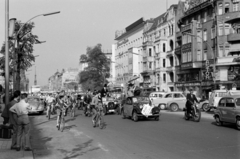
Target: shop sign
{"type": "Point", "coordinates": [186, 65]}
{"type": "Point", "coordinates": [188, 84]}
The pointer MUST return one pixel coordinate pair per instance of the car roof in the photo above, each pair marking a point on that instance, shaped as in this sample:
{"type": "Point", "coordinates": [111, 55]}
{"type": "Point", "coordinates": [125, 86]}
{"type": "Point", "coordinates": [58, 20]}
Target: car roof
{"type": "Point", "coordinates": [176, 92]}
{"type": "Point", "coordinates": [220, 90]}
{"type": "Point", "coordinates": [158, 92]}
{"type": "Point", "coordinates": [233, 96]}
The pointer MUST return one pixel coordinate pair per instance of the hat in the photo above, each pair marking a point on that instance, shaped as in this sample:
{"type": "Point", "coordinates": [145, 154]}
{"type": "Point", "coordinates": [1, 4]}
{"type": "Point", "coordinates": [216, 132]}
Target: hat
{"type": "Point", "coordinates": [105, 85]}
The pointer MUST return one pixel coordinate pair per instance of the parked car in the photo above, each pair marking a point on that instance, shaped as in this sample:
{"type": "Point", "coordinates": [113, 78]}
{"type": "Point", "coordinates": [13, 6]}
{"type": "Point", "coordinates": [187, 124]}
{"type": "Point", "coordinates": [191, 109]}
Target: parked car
{"type": "Point", "coordinates": [228, 110]}
{"type": "Point", "coordinates": [155, 95]}
{"type": "Point", "coordinates": [216, 95]}
{"type": "Point", "coordinates": [133, 108]}
{"type": "Point", "coordinates": [179, 103]}
{"type": "Point", "coordinates": [167, 97]}
{"type": "Point", "coordinates": [109, 106]}
{"type": "Point", "coordinates": [37, 105]}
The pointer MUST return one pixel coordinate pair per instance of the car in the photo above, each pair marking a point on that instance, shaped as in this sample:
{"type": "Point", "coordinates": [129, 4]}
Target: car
{"type": "Point", "coordinates": [167, 97]}
{"type": "Point", "coordinates": [228, 111]}
{"type": "Point", "coordinates": [155, 95]}
{"type": "Point", "coordinates": [118, 102]}
{"type": "Point", "coordinates": [179, 104]}
{"type": "Point", "coordinates": [37, 105]}
{"type": "Point", "coordinates": [109, 106]}
{"type": "Point", "coordinates": [133, 106]}
{"type": "Point", "coordinates": [216, 95]}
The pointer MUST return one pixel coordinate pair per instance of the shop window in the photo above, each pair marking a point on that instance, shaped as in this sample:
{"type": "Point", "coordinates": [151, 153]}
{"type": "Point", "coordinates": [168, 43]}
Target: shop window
{"type": "Point", "coordinates": [220, 9]}
{"type": "Point", "coordinates": [205, 35]}
{"type": "Point", "coordinates": [164, 63]}
{"type": "Point", "coordinates": [227, 4]}
{"type": "Point", "coordinates": [235, 6]}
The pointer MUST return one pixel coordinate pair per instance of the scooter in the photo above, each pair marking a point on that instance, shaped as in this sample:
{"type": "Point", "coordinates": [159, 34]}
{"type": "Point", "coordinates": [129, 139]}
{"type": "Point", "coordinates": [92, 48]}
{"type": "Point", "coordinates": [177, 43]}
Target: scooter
{"type": "Point", "coordinates": [194, 114]}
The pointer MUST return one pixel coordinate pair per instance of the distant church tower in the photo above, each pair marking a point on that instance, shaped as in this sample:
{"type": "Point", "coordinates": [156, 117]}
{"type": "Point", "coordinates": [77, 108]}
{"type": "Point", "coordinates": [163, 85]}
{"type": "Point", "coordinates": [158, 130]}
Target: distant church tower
{"type": "Point", "coordinates": [35, 79]}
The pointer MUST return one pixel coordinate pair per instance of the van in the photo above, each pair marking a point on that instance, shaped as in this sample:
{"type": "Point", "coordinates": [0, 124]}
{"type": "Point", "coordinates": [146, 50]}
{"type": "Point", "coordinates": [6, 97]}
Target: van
{"type": "Point", "coordinates": [216, 95]}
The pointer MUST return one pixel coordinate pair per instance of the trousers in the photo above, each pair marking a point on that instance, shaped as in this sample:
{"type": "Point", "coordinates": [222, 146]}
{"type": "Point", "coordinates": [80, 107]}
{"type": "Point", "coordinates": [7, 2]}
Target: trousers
{"type": "Point", "coordinates": [23, 130]}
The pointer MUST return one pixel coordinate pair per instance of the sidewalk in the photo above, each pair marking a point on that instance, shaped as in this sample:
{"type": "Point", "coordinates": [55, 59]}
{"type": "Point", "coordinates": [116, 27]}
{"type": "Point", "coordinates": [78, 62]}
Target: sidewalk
{"type": "Point", "coordinates": [7, 153]}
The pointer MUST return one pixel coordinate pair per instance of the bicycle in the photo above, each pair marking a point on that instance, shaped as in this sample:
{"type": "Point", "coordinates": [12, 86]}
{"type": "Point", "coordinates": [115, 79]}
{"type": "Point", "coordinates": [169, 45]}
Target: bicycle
{"type": "Point", "coordinates": [72, 111]}
{"type": "Point", "coordinates": [61, 122]}
{"type": "Point", "coordinates": [98, 121]}
{"type": "Point", "coordinates": [49, 110]}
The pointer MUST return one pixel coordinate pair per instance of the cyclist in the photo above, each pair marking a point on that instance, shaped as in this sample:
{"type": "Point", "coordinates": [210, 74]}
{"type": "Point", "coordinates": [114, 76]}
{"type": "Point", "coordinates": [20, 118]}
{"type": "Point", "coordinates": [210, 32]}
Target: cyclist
{"type": "Point", "coordinates": [97, 106]}
{"type": "Point", "coordinates": [49, 101]}
{"type": "Point", "coordinates": [87, 100]}
{"type": "Point", "coordinates": [61, 106]}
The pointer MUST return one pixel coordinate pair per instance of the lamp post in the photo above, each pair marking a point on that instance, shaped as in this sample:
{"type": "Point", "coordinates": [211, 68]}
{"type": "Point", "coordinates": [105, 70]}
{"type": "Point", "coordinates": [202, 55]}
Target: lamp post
{"type": "Point", "coordinates": [214, 58]}
{"type": "Point", "coordinates": [16, 39]}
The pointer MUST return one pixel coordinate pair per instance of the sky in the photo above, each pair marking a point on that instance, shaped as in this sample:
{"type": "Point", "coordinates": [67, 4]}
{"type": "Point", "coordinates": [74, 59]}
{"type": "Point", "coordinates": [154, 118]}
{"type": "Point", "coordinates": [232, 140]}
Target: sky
{"type": "Point", "coordinates": [80, 24]}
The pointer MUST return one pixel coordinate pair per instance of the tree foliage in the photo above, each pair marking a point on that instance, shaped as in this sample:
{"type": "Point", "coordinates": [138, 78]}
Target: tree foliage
{"type": "Point", "coordinates": [22, 55]}
{"type": "Point", "coordinates": [97, 70]}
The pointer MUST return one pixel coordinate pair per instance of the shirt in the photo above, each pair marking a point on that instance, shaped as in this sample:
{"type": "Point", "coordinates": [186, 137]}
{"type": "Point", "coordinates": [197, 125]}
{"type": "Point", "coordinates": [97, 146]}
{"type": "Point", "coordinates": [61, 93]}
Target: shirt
{"type": "Point", "coordinates": [49, 99]}
{"type": "Point", "coordinates": [20, 108]}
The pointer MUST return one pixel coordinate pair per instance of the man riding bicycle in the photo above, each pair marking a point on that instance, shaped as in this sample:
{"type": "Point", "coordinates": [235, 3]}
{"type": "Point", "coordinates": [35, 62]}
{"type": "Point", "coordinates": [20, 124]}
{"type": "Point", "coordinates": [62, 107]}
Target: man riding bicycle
{"type": "Point", "coordinates": [49, 100]}
{"type": "Point", "coordinates": [61, 107]}
{"type": "Point", "coordinates": [97, 103]}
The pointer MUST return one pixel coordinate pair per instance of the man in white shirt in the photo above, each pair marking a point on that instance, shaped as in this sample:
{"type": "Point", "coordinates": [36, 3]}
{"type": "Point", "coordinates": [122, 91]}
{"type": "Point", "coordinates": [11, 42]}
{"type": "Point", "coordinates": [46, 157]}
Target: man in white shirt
{"type": "Point", "coordinates": [23, 128]}
{"type": "Point", "coordinates": [49, 101]}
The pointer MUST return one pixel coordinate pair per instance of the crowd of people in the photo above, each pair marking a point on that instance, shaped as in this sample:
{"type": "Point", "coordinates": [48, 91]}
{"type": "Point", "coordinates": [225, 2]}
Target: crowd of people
{"type": "Point", "coordinates": [15, 114]}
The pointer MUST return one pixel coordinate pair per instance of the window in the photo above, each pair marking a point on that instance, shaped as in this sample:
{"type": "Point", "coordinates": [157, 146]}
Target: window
{"type": "Point", "coordinates": [227, 4]}
{"type": "Point", "coordinates": [150, 52]}
{"type": "Point", "coordinates": [199, 57]}
{"type": "Point", "coordinates": [205, 35]}
{"type": "Point", "coordinates": [230, 102]}
{"type": "Point", "coordinates": [213, 33]}
{"type": "Point", "coordinates": [164, 32]}
{"type": "Point", "coordinates": [220, 9]}
{"type": "Point", "coordinates": [220, 52]}
{"type": "Point", "coordinates": [222, 102]}
{"type": "Point", "coordinates": [235, 6]}
{"type": "Point", "coordinates": [205, 16]}
{"type": "Point", "coordinates": [238, 101]}
{"type": "Point", "coordinates": [150, 65]}
{"type": "Point", "coordinates": [168, 96]}
{"type": "Point", "coordinates": [226, 51]}
{"type": "Point", "coordinates": [189, 38]}
{"type": "Point", "coordinates": [189, 56]}
{"type": "Point", "coordinates": [205, 55]}
{"type": "Point", "coordinates": [227, 29]}
{"type": "Point", "coordinates": [164, 47]}
{"type": "Point", "coordinates": [220, 30]}
{"type": "Point", "coordinates": [164, 78]}
{"type": "Point", "coordinates": [178, 95]}
{"type": "Point", "coordinates": [164, 63]}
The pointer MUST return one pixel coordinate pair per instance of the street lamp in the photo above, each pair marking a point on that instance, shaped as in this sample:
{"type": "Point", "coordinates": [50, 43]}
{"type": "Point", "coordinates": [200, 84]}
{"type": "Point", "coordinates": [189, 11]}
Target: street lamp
{"type": "Point", "coordinates": [214, 58]}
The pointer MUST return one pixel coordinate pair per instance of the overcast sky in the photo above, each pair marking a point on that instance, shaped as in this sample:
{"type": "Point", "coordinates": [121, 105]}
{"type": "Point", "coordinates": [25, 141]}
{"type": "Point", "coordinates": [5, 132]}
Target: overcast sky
{"type": "Point", "coordinates": [81, 23]}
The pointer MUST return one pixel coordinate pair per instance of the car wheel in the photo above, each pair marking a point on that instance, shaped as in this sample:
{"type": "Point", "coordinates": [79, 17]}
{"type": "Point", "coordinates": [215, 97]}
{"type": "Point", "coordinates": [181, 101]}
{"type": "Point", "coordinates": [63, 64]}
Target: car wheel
{"type": "Point", "coordinates": [218, 121]}
{"type": "Point", "coordinates": [134, 116]}
{"type": "Point", "coordinates": [174, 107]}
{"type": "Point", "coordinates": [123, 115]}
{"type": "Point", "coordinates": [238, 123]}
{"type": "Point", "coordinates": [205, 107]}
{"type": "Point", "coordinates": [162, 106]}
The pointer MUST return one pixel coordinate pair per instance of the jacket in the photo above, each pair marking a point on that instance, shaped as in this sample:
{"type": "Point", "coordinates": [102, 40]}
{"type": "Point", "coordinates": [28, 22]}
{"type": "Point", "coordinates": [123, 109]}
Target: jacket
{"type": "Point", "coordinates": [191, 99]}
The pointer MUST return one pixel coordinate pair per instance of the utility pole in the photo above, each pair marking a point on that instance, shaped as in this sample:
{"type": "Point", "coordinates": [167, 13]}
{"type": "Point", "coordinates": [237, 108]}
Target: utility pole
{"type": "Point", "coordinates": [35, 77]}
{"type": "Point", "coordinates": [6, 52]}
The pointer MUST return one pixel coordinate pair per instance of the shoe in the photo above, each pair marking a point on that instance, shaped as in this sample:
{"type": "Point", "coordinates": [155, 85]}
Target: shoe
{"type": "Point", "coordinates": [17, 148]}
{"type": "Point", "coordinates": [27, 149]}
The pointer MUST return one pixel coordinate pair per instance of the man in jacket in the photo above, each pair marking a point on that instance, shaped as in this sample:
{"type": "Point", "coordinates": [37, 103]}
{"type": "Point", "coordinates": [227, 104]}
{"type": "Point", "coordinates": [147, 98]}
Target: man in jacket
{"type": "Point", "coordinates": [104, 91]}
{"type": "Point", "coordinates": [191, 99]}
{"type": "Point", "coordinates": [97, 103]}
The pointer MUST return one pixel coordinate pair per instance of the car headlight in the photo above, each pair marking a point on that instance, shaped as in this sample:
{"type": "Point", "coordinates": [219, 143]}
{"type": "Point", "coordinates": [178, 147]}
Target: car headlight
{"type": "Point", "coordinates": [141, 106]}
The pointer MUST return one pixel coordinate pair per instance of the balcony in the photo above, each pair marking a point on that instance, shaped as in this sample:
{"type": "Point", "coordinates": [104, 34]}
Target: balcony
{"type": "Point", "coordinates": [147, 71]}
{"type": "Point", "coordinates": [169, 69]}
{"type": "Point", "coordinates": [169, 53]}
{"type": "Point", "coordinates": [188, 65]}
{"type": "Point", "coordinates": [178, 50]}
{"type": "Point", "coordinates": [233, 37]}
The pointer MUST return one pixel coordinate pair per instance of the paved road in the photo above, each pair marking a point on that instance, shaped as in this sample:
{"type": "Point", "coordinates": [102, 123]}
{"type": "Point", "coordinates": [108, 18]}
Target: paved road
{"type": "Point", "coordinates": [170, 138]}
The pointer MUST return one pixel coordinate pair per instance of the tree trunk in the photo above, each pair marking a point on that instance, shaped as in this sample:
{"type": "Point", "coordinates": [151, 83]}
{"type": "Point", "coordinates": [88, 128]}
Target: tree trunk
{"type": "Point", "coordinates": [18, 71]}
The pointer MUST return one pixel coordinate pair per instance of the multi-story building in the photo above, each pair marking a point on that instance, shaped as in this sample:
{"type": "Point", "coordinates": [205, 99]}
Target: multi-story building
{"type": "Point", "coordinates": [208, 39]}
{"type": "Point", "coordinates": [55, 81]}
{"type": "Point", "coordinates": [128, 59]}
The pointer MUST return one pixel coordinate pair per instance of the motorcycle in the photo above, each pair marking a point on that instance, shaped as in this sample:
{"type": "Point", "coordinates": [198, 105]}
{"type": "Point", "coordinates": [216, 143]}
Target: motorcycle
{"type": "Point", "coordinates": [194, 114]}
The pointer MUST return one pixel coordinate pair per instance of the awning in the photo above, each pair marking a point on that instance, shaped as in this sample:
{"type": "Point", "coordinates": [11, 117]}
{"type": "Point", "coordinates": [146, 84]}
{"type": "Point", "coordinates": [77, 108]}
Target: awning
{"type": "Point", "coordinates": [237, 19]}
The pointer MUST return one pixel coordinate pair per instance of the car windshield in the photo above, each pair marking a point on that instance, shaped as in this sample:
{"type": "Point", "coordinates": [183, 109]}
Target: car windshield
{"type": "Point", "coordinates": [140, 99]}
{"type": "Point", "coordinates": [238, 101]}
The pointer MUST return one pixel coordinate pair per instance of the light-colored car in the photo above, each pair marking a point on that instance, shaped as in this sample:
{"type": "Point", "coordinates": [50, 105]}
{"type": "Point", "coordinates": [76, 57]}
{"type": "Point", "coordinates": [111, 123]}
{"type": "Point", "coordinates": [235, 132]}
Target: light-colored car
{"type": "Point", "coordinates": [155, 95]}
{"type": "Point", "coordinates": [36, 104]}
{"type": "Point", "coordinates": [179, 104]}
{"type": "Point", "coordinates": [228, 110]}
{"type": "Point", "coordinates": [216, 95]}
{"type": "Point", "coordinates": [167, 97]}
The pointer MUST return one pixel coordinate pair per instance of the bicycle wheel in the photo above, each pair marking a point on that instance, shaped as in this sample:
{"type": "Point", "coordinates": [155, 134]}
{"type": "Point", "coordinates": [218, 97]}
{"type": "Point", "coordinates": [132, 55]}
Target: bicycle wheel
{"type": "Point", "coordinates": [59, 122]}
{"type": "Point", "coordinates": [49, 113]}
{"type": "Point", "coordinates": [62, 124]}
{"type": "Point", "coordinates": [100, 122]}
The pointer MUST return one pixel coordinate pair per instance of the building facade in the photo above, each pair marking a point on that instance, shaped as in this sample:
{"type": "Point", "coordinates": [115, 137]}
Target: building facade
{"type": "Point", "coordinates": [55, 81]}
{"type": "Point", "coordinates": [208, 45]}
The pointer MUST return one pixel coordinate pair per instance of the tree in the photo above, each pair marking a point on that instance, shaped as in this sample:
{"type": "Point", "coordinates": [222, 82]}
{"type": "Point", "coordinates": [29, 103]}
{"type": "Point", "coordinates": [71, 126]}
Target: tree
{"type": "Point", "coordinates": [22, 57]}
{"type": "Point", "coordinates": [98, 69]}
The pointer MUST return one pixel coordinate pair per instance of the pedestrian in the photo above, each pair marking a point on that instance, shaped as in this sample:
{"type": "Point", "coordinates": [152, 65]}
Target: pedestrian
{"type": "Point", "coordinates": [5, 113]}
{"type": "Point", "coordinates": [13, 118]}
{"type": "Point", "coordinates": [23, 128]}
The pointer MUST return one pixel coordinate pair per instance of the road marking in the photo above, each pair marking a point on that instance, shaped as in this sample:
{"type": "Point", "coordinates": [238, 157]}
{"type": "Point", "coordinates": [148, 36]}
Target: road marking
{"type": "Point", "coordinates": [102, 147]}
